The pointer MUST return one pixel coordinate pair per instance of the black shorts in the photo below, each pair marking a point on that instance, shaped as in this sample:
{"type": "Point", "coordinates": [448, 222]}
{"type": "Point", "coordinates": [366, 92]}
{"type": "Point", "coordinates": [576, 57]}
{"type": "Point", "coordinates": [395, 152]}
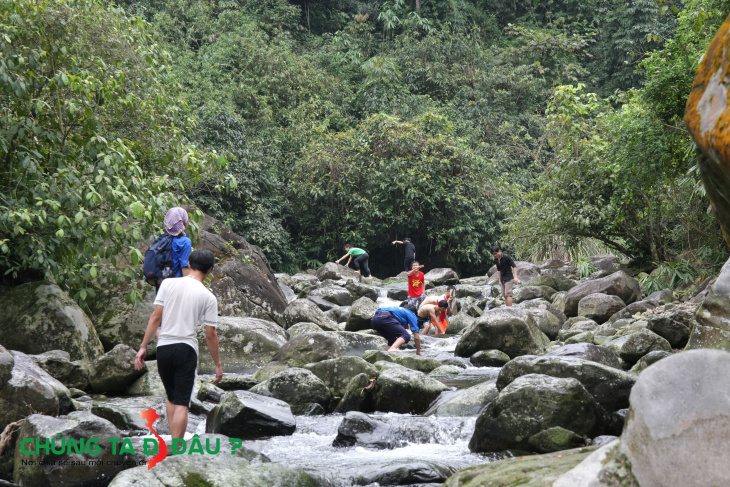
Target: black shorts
{"type": "Point", "coordinates": [422, 321]}
{"type": "Point", "coordinates": [177, 364]}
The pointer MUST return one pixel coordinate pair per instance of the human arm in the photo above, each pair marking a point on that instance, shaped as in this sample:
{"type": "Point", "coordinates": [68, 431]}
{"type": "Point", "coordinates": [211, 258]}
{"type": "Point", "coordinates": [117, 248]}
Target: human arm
{"type": "Point", "coordinates": [397, 242]}
{"type": "Point", "coordinates": [152, 325]}
{"type": "Point", "coordinates": [211, 336]}
{"type": "Point", "coordinates": [410, 273]}
{"type": "Point", "coordinates": [343, 257]}
{"type": "Point", "coordinates": [517, 281]}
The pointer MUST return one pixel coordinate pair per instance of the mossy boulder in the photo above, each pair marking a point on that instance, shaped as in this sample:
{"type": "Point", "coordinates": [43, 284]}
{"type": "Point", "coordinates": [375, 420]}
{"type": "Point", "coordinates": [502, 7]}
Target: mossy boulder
{"type": "Point", "coordinates": [402, 390]}
{"type": "Point", "coordinates": [361, 312]}
{"type": "Point", "coordinates": [511, 330]}
{"type": "Point", "coordinates": [338, 372]}
{"type": "Point", "coordinates": [114, 371]}
{"type": "Point", "coordinates": [296, 386]}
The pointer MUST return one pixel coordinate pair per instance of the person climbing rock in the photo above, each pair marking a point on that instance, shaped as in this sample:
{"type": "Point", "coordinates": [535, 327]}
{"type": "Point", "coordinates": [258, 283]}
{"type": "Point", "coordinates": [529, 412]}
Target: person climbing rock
{"type": "Point", "coordinates": [505, 264]}
{"type": "Point", "coordinates": [182, 305]}
{"type": "Point", "coordinates": [361, 260]}
{"type": "Point", "coordinates": [390, 322]}
{"type": "Point", "coordinates": [416, 285]}
{"type": "Point", "coordinates": [410, 252]}
{"type": "Point", "coordinates": [443, 322]}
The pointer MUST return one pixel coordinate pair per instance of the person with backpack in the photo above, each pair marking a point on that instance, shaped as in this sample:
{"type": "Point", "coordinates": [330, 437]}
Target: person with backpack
{"type": "Point", "coordinates": [168, 255]}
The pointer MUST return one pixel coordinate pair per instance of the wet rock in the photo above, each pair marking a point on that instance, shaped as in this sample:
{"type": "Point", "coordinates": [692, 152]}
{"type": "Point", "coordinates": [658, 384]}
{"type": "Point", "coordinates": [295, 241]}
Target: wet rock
{"type": "Point", "coordinates": [45, 469]}
{"type": "Point", "coordinates": [489, 358]}
{"type": "Point", "coordinates": [334, 294]}
{"type": "Point", "coordinates": [355, 344]}
{"type": "Point", "coordinates": [243, 342]}
{"type": "Point", "coordinates": [361, 312]}
{"type": "Point", "coordinates": [414, 362]}
{"type": "Point", "coordinates": [357, 397]}
{"type": "Point", "coordinates": [600, 307]}
{"type": "Point", "coordinates": [359, 290]}
{"type": "Point", "coordinates": [544, 305]}
{"type": "Point", "coordinates": [149, 384]}
{"type": "Point", "coordinates": [617, 284]}
{"type": "Point", "coordinates": [603, 440]}
{"type": "Point", "coordinates": [39, 317]}
{"type": "Point", "coordinates": [511, 330]}
{"type": "Point", "coordinates": [215, 471]}
{"type": "Point", "coordinates": [114, 371]}
{"type": "Point", "coordinates": [441, 276]}
{"type": "Point", "coordinates": [406, 391]}
{"type": "Point", "coordinates": [397, 291]}
{"type": "Point", "coordinates": [288, 292]}
{"type": "Point", "coordinates": [245, 415]}
{"type": "Point", "coordinates": [466, 402]}
{"type": "Point", "coordinates": [609, 386]}
{"type": "Point", "coordinates": [334, 271]}
{"type": "Point", "coordinates": [58, 363]}
{"type": "Point", "coordinates": [445, 370]}
{"type": "Point", "coordinates": [207, 391]}
{"type": "Point", "coordinates": [25, 389]}
{"type": "Point", "coordinates": [303, 310]}
{"type": "Point", "coordinates": [532, 471]}
{"type": "Point", "coordinates": [124, 413]}
{"type": "Point", "coordinates": [524, 293]}
{"type": "Point", "coordinates": [359, 429]}
{"type": "Point", "coordinates": [648, 359]}
{"type": "Point", "coordinates": [300, 351]}
{"type": "Point", "coordinates": [297, 387]}
{"type": "Point", "coordinates": [461, 322]}
{"type": "Point", "coordinates": [633, 309]}
{"type": "Point", "coordinates": [337, 373]}
{"type": "Point", "coordinates": [405, 473]}
{"type": "Point", "coordinates": [529, 405]}
{"type": "Point", "coordinates": [555, 439]}
{"type": "Point", "coordinates": [631, 348]}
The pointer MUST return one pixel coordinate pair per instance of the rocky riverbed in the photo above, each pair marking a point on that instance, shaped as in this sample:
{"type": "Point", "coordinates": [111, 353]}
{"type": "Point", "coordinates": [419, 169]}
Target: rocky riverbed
{"type": "Point", "coordinates": [582, 382]}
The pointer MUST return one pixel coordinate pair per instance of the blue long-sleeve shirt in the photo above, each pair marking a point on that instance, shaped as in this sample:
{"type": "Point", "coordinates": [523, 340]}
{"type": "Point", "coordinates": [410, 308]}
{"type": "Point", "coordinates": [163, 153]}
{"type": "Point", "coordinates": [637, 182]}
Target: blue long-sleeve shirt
{"type": "Point", "coordinates": [404, 316]}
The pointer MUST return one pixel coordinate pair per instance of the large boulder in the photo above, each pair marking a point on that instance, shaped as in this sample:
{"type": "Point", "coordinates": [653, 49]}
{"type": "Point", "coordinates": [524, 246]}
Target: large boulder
{"type": "Point", "coordinates": [359, 429]}
{"type": "Point", "coordinates": [466, 402]}
{"type": "Point", "coordinates": [460, 322]}
{"type": "Point", "coordinates": [608, 385]}
{"type": "Point", "coordinates": [402, 390]}
{"type": "Point", "coordinates": [361, 312]}
{"type": "Point", "coordinates": [335, 271]}
{"type": "Point", "coordinates": [546, 305]}
{"type": "Point", "coordinates": [546, 321]}
{"type": "Point", "coordinates": [305, 311]}
{"type": "Point", "coordinates": [43, 467]}
{"type": "Point", "coordinates": [511, 330]}
{"type": "Point", "coordinates": [674, 327]}
{"type": "Point", "coordinates": [359, 290]}
{"type": "Point", "coordinates": [355, 344]}
{"type": "Point", "coordinates": [150, 383]}
{"type": "Point", "coordinates": [525, 293]}
{"type": "Point", "coordinates": [298, 387]}
{"type": "Point", "coordinates": [242, 281]}
{"type": "Point", "coordinates": [398, 291]}
{"type": "Point", "coordinates": [713, 316]}
{"type": "Point", "coordinates": [58, 363]}
{"type": "Point", "coordinates": [600, 307]}
{"type": "Point", "coordinates": [441, 276]}
{"type": "Point", "coordinates": [617, 284]}
{"type": "Point", "coordinates": [40, 317]}
{"type": "Point", "coordinates": [300, 282]}
{"type": "Point", "coordinates": [243, 342]}
{"type": "Point", "coordinates": [338, 372]}
{"type": "Point", "coordinates": [300, 351]}
{"type": "Point", "coordinates": [634, 308]}
{"type": "Point", "coordinates": [630, 348]}
{"type": "Point", "coordinates": [25, 389]}
{"type": "Point", "coordinates": [414, 362]}
{"type": "Point", "coordinates": [114, 371]}
{"type": "Point", "coordinates": [588, 351]}
{"type": "Point", "coordinates": [556, 281]}
{"type": "Point", "coordinates": [679, 422]}
{"type": "Point", "coordinates": [245, 415]}
{"type": "Point", "coordinates": [532, 404]}
{"type": "Point", "coordinates": [334, 294]}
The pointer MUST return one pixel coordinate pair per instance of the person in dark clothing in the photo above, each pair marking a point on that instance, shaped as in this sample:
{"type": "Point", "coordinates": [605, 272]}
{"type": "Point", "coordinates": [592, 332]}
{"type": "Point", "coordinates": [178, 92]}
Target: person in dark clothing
{"type": "Point", "coordinates": [361, 260]}
{"type": "Point", "coordinates": [410, 253]}
{"type": "Point", "coordinates": [505, 266]}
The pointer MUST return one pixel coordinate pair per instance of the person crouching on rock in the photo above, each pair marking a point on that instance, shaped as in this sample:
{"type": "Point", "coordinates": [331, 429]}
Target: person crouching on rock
{"type": "Point", "coordinates": [182, 304]}
{"type": "Point", "coordinates": [429, 313]}
{"type": "Point", "coordinates": [443, 322]}
{"type": "Point", "coordinates": [390, 323]}
{"type": "Point", "coordinates": [361, 260]}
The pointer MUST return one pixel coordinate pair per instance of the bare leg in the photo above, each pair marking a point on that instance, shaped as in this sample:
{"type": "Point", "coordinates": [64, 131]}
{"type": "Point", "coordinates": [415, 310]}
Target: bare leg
{"type": "Point", "coordinates": [396, 344]}
{"type": "Point", "coordinates": [426, 328]}
{"type": "Point", "coordinates": [508, 300]}
{"type": "Point", "coordinates": [177, 418]}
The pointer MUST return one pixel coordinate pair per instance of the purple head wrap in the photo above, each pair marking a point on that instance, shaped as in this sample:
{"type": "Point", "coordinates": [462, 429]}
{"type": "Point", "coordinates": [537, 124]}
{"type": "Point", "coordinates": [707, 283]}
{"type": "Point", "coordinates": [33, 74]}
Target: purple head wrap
{"type": "Point", "coordinates": [175, 220]}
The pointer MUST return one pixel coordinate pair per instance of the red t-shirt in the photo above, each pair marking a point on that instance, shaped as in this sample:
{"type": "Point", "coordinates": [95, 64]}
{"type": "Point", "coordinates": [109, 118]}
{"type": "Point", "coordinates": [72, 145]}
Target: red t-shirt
{"type": "Point", "coordinates": [416, 284]}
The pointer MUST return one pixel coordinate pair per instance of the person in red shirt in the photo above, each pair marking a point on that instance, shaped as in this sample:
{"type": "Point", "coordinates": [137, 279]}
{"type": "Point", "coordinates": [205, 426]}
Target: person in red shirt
{"type": "Point", "coordinates": [416, 285]}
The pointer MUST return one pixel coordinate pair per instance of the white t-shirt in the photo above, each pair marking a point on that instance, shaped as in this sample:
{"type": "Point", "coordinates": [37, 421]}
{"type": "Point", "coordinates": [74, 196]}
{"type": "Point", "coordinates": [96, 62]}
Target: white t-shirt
{"type": "Point", "coordinates": [186, 304]}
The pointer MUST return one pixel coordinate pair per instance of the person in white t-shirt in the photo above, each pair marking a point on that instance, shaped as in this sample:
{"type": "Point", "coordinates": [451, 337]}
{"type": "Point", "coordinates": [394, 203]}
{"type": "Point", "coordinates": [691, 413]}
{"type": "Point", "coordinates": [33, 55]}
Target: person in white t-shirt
{"type": "Point", "coordinates": [182, 305]}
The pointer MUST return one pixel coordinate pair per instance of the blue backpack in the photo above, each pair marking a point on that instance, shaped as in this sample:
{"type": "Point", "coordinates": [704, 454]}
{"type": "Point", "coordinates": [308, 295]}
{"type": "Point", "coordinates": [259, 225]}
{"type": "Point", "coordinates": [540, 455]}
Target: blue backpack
{"type": "Point", "coordinates": [158, 260]}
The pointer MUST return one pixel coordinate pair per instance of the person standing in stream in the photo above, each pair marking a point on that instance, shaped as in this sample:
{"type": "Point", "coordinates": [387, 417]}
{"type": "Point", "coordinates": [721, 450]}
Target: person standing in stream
{"type": "Point", "coordinates": [505, 264]}
{"type": "Point", "coordinates": [361, 260]}
{"type": "Point", "coordinates": [416, 285]}
{"type": "Point", "coordinates": [410, 252]}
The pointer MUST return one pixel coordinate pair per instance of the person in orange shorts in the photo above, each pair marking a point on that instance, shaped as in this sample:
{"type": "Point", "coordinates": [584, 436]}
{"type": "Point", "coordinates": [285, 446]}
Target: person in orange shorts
{"type": "Point", "coordinates": [443, 321]}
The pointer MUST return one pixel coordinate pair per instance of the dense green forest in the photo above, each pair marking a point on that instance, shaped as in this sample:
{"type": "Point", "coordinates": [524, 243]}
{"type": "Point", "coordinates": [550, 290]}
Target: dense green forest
{"type": "Point", "coordinates": [553, 127]}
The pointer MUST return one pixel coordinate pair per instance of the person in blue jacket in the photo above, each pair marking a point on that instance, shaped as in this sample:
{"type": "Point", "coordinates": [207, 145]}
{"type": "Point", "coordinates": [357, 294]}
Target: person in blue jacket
{"type": "Point", "coordinates": [392, 322]}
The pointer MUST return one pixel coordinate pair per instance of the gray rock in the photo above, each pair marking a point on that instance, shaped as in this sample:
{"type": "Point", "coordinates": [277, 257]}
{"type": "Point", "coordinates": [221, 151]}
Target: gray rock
{"type": "Point", "coordinates": [600, 307]}
{"type": "Point", "coordinates": [402, 390]}
{"type": "Point", "coordinates": [554, 281]}
{"type": "Point", "coordinates": [322, 304]}
{"type": "Point", "coordinates": [359, 290]}
{"type": "Point", "coordinates": [583, 337]}
{"type": "Point", "coordinates": [25, 389]}
{"type": "Point", "coordinates": [556, 438]}
{"type": "Point", "coordinates": [361, 312]}
{"type": "Point", "coordinates": [667, 432]}
{"type": "Point", "coordinates": [207, 391]}
{"type": "Point", "coordinates": [605, 262]}
{"type": "Point", "coordinates": [124, 413]}
{"type": "Point", "coordinates": [245, 415]}
{"type": "Point", "coordinates": [634, 308]}
{"type": "Point", "coordinates": [300, 351]}
{"type": "Point", "coordinates": [399, 472]}
{"type": "Point", "coordinates": [114, 371]}
{"type": "Point", "coordinates": [357, 396]}
{"type": "Point", "coordinates": [489, 358]}
{"type": "Point", "coordinates": [608, 385]}
{"type": "Point", "coordinates": [359, 429]}
{"type": "Point", "coordinates": [511, 330]}
{"type": "Point", "coordinates": [42, 468]}
{"type": "Point", "coordinates": [303, 310]}
{"type": "Point", "coordinates": [413, 362]}
{"type": "Point", "coordinates": [397, 291]}
{"type": "Point", "coordinates": [466, 402]}
{"type": "Point", "coordinates": [243, 343]}
{"type": "Point", "coordinates": [575, 326]}
{"type": "Point", "coordinates": [461, 322]}
{"type": "Point", "coordinates": [546, 321]}
{"type": "Point", "coordinates": [525, 293]}
{"type": "Point", "coordinates": [149, 384]}
{"type": "Point", "coordinates": [617, 284]}
{"type": "Point", "coordinates": [648, 359]}
{"type": "Point", "coordinates": [337, 373]}
{"type": "Point", "coordinates": [236, 382]}
{"type": "Point", "coordinates": [288, 292]}
{"type": "Point", "coordinates": [334, 294]}
{"type": "Point", "coordinates": [303, 329]}
{"type": "Point", "coordinates": [529, 405]}
{"type": "Point", "coordinates": [300, 282]}
{"type": "Point", "coordinates": [674, 331]}
{"type": "Point", "coordinates": [631, 348]}
{"type": "Point", "coordinates": [467, 290]}
{"type": "Point", "coordinates": [332, 270]}
{"type": "Point", "coordinates": [441, 276]}
{"type": "Point", "coordinates": [40, 317]}
{"type": "Point", "coordinates": [544, 305]}
{"type": "Point", "coordinates": [58, 363]}
{"type": "Point", "coordinates": [527, 270]}
{"type": "Point", "coordinates": [297, 387]}
{"type": "Point", "coordinates": [355, 344]}
{"type": "Point", "coordinates": [662, 297]}
{"type": "Point", "coordinates": [603, 440]}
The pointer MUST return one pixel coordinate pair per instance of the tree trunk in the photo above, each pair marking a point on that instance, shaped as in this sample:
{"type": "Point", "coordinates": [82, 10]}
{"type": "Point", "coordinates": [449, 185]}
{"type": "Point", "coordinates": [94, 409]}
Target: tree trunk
{"type": "Point", "coordinates": [418, 4]}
